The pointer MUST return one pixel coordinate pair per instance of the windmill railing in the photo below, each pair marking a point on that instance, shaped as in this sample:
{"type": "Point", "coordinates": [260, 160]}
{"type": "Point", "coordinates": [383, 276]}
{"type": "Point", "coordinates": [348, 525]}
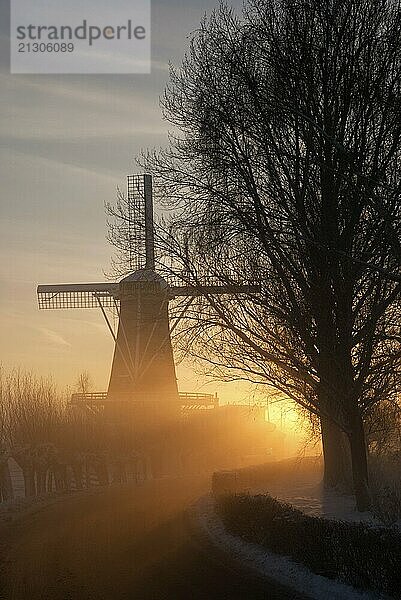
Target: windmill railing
{"type": "Point", "coordinates": [89, 398]}
{"type": "Point", "coordinates": [188, 400]}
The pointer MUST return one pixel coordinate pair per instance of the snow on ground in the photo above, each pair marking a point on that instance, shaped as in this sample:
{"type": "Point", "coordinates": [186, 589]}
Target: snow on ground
{"type": "Point", "coordinates": [313, 499]}
{"type": "Point", "coordinates": [303, 488]}
{"type": "Point", "coordinates": [273, 566]}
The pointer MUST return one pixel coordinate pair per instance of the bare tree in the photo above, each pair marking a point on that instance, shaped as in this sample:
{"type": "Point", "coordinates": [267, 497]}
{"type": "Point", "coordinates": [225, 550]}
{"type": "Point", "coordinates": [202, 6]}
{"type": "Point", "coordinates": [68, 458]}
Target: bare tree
{"type": "Point", "coordinates": [6, 491]}
{"type": "Point", "coordinates": [284, 167]}
{"type": "Point", "coordinates": [36, 417]}
{"type": "Point", "coordinates": [84, 383]}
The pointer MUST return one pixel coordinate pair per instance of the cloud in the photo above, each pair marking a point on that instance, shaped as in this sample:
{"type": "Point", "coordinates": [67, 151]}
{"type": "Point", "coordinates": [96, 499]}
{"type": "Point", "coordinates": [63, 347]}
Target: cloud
{"type": "Point", "coordinates": [54, 338]}
{"type": "Point", "coordinates": [54, 111]}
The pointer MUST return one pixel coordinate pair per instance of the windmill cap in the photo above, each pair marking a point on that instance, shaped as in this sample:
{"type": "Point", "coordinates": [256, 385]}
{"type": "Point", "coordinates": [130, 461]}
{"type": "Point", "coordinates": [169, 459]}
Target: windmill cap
{"type": "Point", "coordinates": [145, 275]}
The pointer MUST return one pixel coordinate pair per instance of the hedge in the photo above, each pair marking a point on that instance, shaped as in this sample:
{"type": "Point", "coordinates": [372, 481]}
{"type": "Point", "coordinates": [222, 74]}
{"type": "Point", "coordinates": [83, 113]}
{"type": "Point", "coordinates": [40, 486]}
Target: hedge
{"type": "Point", "coordinates": [359, 554]}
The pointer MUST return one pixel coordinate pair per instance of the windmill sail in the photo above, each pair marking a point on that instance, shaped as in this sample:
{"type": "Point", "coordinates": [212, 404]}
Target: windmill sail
{"type": "Point", "coordinates": [77, 295]}
{"type": "Point", "coordinates": [140, 222]}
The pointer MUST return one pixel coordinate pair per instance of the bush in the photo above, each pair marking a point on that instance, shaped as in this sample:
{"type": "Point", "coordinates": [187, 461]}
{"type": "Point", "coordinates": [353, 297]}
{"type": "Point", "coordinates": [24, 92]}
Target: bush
{"type": "Point", "coordinates": [364, 556]}
{"type": "Point", "coordinates": [385, 486]}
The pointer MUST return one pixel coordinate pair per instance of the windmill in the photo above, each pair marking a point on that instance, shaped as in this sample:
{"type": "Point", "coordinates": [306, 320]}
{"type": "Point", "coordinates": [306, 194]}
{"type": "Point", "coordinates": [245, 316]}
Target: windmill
{"type": "Point", "coordinates": [143, 372]}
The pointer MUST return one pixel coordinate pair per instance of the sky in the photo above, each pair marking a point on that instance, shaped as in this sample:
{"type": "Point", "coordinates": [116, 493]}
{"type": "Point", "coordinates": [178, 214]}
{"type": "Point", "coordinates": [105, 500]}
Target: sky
{"type": "Point", "coordinates": [67, 142]}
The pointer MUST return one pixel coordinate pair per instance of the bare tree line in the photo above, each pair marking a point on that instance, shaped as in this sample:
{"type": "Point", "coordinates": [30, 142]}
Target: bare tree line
{"type": "Point", "coordinates": [50, 441]}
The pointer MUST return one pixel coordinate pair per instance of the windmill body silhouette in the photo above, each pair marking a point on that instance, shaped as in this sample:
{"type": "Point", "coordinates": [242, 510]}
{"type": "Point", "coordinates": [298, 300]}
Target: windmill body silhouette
{"type": "Point", "coordinates": [143, 371]}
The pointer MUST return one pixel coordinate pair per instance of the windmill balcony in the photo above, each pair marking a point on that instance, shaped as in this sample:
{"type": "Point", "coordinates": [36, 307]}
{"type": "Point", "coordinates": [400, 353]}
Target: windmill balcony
{"type": "Point", "coordinates": [189, 400]}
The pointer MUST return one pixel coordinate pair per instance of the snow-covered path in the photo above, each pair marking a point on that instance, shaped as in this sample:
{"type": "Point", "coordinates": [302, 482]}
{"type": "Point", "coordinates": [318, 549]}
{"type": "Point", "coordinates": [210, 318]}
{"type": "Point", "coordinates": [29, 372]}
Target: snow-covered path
{"type": "Point", "coordinates": [273, 566]}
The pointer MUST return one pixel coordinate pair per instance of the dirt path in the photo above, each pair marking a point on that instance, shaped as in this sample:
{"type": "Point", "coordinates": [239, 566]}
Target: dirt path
{"type": "Point", "coordinates": [129, 543]}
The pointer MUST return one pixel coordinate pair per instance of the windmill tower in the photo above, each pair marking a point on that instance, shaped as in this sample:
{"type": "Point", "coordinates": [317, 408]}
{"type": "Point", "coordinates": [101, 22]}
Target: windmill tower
{"type": "Point", "coordinates": [143, 375]}
{"type": "Point", "coordinates": [143, 367]}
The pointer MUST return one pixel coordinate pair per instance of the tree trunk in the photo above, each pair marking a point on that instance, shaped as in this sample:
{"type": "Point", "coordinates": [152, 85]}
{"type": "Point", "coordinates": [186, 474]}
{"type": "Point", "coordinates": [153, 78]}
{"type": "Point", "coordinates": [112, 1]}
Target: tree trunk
{"type": "Point", "coordinates": [78, 474]}
{"type": "Point", "coordinates": [336, 455]}
{"type": "Point", "coordinates": [41, 474]}
{"type": "Point", "coordinates": [101, 472]}
{"type": "Point", "coordinates": [6, 488]}
{"type": "Point", "coordinates": [29, 480]}
{"type": "Point", "coordinates": [359, 464]}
